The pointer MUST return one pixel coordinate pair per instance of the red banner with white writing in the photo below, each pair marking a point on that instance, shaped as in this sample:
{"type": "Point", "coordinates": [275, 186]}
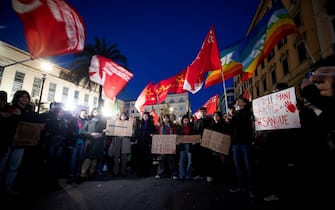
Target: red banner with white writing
{"type": "Point", "coordinates": [109, 74]}
{"type": "Point", "coordinates": [51, 27]}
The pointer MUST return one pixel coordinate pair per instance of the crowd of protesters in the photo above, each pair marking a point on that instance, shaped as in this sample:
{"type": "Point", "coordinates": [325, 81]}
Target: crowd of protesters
{"type": "Point", "coordinates": [77, 148]}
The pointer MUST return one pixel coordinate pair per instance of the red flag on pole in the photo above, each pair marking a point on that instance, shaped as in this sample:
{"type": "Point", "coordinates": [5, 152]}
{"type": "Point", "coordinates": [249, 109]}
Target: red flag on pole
{"type": "Point", "coordinates": [208, 59]}
{"type": "Point", "coordinates": [211, 106]}
{"type": "Point", "coordinates": [109, 74]}
{"type": "Point", "coordinates": [177, 82]}
{"type": "Point", "coordinates": [146, 97]}
{"type": "Point", "coordinates": [51, 27]}
{"type": "Point", "coordinates": [161, 89]}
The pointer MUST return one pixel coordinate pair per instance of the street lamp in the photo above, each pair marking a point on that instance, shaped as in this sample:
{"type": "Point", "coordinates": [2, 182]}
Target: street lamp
{"type": "Point", "coordinates": [45, 68]}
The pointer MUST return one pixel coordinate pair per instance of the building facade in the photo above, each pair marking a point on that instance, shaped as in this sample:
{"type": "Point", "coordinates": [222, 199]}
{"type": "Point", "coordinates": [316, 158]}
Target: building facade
{"type": "Point", "coordinates": [19, 72]}
{"type": "Point", "coordinates": [177, 104]}
{"type": "Point", "coordinates": [292, 57]}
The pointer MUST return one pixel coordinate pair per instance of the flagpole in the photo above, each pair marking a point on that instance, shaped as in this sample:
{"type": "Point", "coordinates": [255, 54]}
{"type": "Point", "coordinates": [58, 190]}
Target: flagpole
{"type": "Point", "coordinates": [308, 50]}
{"type": "Point", "coordinates": [224, 90]}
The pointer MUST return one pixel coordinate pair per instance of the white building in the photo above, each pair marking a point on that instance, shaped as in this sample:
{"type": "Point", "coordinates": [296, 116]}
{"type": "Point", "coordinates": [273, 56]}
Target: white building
{"type": "Point", "coordinates": [177, 104]}
{"type": "Point", "coordinates": [19, 72]}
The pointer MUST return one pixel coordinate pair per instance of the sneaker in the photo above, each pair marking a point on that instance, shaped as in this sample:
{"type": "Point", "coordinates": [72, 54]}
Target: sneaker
{"type": "Point", "coordinates": [157, 176]}
{"type": "Point", "coordinates": [271, 198]}
{"type": "Point", "coordinates": [174, 177]}
{"type": "Point", "coordinates": [209, 179]}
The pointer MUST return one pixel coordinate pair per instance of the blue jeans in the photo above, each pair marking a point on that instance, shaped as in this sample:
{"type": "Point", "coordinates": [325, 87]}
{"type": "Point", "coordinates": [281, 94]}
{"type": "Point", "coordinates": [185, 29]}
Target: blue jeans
{"type": "Point", "coordinates": [14, 161]}
{"type": "Point", "coordinates": [77, 157]}
{"type": "Point", "coordinates": [185, 160]}
{"type": "Point", "coordinates": [241, 157]}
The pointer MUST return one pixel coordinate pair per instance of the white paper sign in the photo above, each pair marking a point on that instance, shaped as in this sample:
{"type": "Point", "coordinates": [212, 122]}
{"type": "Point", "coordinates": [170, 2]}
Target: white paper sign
{"type": "Point", "coordinates": [276, 111]}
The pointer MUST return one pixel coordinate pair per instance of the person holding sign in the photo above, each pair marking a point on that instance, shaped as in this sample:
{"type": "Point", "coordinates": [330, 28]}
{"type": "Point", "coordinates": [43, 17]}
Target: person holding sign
{"type": "Point", "coordinates": [185, 151]}
{"type": "Point", "coordinates": [242, 138]}
{"type": "Point", "coordinates": [23, 114]}
{"type": "Point", "coordinates": [120, 150]}
{"type": "Point", "coordinates": [143, 134]}
{"type": "Point", "coordinates": [167, 127]}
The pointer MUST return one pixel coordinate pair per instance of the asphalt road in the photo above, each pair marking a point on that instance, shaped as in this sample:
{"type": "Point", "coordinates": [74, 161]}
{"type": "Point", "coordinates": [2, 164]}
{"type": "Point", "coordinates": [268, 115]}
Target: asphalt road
{"type": "Point", "coordinates": [132, 193]}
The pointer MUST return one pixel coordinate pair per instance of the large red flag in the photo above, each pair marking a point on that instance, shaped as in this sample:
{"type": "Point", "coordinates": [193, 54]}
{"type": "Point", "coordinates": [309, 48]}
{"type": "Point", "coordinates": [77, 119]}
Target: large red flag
{"type": "Point", "coordinates": [211, 106]}
{"type": "Point", "coordinates": [109, 74]}
{"type": "Point", "coordinates": [161, 89]}
{"type": "Point", "coordinates": [177, 82]}
{"type": "Point", "coordinates": [173, 84]}
{"type": "Point", "coordinates": [51, 27]}
{"type": "Point", "coordinates": [146, 97]}
{"type": "Point", "coordinates": [208, 59]}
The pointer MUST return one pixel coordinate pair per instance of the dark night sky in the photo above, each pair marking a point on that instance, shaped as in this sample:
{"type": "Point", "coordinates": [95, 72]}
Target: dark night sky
{"type": "Point", "coordinates": [159, 38]}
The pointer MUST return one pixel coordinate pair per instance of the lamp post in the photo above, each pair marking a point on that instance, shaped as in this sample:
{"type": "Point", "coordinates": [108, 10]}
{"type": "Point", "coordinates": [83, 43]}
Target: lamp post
{"type": "Point", "coordinates": [45, 68]}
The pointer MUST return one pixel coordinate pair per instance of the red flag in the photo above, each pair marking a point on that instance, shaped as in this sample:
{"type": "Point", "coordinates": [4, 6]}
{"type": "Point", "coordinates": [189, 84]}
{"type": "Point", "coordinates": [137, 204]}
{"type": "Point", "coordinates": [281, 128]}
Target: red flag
{"type": "Point", "coordinates": [161, 89]}
{"type": "Point", "coordinates": [146, 97]}
{"type": "Point", "coordinates": [208, 59]}
{"type": "Point", "coordinates": [109, 74]}
{"type": "Point", "coordinates": [51, 27]}
{"type": "Point", "coordinates": [211, 105]}
{"type": "Point", "coordinates": [177, 82]}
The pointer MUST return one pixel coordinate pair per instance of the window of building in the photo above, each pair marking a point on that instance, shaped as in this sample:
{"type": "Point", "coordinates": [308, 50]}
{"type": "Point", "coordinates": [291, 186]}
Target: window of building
{"type": "Point", "coordinates": [65, 94]}
{"type": "Point", "coordinates": [95, 101]}
{"type": "Point", "coordinates": [265, 87]}
{"type": "Point", "coordinates": [1, 74]}
{"type": "Point", "coordinates": [301, 52]}
{"type": "Point", "coordinates": [18, 82]}
{"type": "Point", "coordinates": [271, 55]}
{"type": "Point", "coordinates": [52, 92]}
{"type": "Point", "coordinates": [76, 96]}
{"type": "Point", "coordinates": [181, 108]}
{"type": "Point", "coordinates": [285, 66]}
{"type": "Point", "coordinates": [273, 77]}
{"type": "Point", "coordinates": [297, 19]}
{"type": "Point", "coordinates": [181, 100]}
{"type": "Point", "coordinates": [86, 99]}
{"type": "Point", "coordinates": [257, 90]}
{"type": "Point", "coordinates": [262, 65]}
{"type": "Point", "coordinates": [171, 100]}
{"type": "Point", "coordinates": [35, 92]}
{"type": "Point", "coordinates": [281, 43]}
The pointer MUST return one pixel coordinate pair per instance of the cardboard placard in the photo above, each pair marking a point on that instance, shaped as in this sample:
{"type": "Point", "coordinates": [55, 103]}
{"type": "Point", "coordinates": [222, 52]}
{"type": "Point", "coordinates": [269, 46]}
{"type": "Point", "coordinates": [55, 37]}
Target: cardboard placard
{"type": "Point", "coordinates": [183, 139]}
{"type": "Point", "coordinates": [119, 127]}
{"type": "Point", "coordinates": [163, 144]}
{"type": "Point", "coordinates": [27, 134]}
{"type": "Point", "coordinates": [216, 141]}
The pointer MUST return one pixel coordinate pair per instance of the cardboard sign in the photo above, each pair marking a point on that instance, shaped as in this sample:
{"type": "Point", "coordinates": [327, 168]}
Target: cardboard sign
{"type": "Point", "coordinates": [119, 127]}
{"type": "Point", "coordinates": [216, 141]}
{"type": "Point", "coordinates": [163, 144]}
{"type": "Point", "coordinates": [27, 134]}
{"type": "Point", "coordinates": [183, 139]}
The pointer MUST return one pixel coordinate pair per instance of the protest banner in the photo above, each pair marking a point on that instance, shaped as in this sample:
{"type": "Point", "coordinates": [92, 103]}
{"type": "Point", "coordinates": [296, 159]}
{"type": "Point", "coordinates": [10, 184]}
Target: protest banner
{"type": "Point", "coordinates": [163, 144]}
{"type": "Point", "coordinates": [216, 141]}
{"type": "Point", "coordinates": [119, 127]}
{"type": "Point", "coordinates": [276, 111]}
{"type": "Point", "coordinates": [183, 139]}
{"type": "Point", "coordinates": [27, 134]}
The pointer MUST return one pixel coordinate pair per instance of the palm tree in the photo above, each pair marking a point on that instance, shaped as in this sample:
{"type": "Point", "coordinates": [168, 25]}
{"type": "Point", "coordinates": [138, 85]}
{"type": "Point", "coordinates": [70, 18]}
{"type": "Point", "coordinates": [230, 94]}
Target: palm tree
{"type": "Point", "coordinates": [79, 67]}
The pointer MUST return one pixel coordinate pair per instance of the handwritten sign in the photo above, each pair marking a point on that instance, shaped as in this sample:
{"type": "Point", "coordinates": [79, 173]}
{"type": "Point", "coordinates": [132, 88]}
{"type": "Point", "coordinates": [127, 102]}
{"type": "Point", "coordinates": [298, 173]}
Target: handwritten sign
{"type": "Point", "coordinates": [182, 139]}
{"type": "Point", "coordinates": [27, 134]}
{"type": "Point", "coordinates": [119, 127]}
{"type": "Point", "coordinates": [276, 111]}
{"type": "Point", "coordinates": [216, 141]}
{"type": "Point", "coordinates": [163, 144]}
